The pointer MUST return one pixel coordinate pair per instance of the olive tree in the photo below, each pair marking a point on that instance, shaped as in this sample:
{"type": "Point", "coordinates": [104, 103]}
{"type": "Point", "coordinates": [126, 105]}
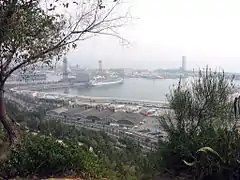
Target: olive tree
{"type": "Point", "coordinates": [37, 32]}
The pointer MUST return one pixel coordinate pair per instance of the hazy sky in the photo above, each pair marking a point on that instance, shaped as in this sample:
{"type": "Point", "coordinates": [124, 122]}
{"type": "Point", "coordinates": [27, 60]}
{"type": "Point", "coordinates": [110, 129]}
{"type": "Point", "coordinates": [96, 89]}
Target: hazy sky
{"type": "Point", "coordinates": [206, 31]}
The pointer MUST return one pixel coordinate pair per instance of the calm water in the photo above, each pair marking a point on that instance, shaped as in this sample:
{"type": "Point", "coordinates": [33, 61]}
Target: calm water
{"type": "Point", "coordinates": [141, 89]}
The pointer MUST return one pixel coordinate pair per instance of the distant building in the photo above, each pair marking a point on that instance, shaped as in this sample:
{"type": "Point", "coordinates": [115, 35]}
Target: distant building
{"type": "Point", "coordinates": [119, 72]}
{"type": "Point", "coordinates": [126, 119]}
{"type": "Point", "coordinates": [94, 115]}
{"type": "Point", "coordinates": [183, 63]}
{"type": "Point", "coordinates": [100, 66]}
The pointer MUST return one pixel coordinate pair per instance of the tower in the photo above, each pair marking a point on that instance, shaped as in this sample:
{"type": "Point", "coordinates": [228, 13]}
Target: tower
{"type": "Point", "coordinates": [65, 71]}
{"type": "Point", "coordinates": [100, 66]}
{"type": "Point", "coordinates": [183, 63]}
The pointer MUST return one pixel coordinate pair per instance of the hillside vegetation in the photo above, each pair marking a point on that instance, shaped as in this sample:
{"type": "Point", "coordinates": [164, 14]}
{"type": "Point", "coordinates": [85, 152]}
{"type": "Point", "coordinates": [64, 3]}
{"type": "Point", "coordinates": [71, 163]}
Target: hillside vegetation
{"type": "Point", "coordinates": [55, 149]}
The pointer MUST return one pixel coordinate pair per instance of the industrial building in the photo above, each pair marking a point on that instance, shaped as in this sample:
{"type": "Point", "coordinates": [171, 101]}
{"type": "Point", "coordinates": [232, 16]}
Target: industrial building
{"type": "Point", "coordinates": [126, 118]}
{"type": "Point", "coordinates": [95, 115]}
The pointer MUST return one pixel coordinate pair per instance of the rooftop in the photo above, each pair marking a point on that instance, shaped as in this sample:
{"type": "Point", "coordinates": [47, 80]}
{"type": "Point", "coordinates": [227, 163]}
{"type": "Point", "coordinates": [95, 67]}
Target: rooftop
{"type": "Point", "coordinates": [120, 116]}
{"type": "Point", "coordinates": [97, 113]}
{"type": "Point", "coordinates": [60, 110]}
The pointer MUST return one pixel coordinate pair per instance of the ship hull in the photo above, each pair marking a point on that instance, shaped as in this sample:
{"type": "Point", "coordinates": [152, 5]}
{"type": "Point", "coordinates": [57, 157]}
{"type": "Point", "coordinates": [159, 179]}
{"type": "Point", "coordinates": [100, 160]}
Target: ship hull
{"type": "Point", "coordinates": [106, 83]}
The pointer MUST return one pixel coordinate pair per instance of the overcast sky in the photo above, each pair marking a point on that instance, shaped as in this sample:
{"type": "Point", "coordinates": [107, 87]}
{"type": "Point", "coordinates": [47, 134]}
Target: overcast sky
{"type": "Point", "coordinates": [206, 31]}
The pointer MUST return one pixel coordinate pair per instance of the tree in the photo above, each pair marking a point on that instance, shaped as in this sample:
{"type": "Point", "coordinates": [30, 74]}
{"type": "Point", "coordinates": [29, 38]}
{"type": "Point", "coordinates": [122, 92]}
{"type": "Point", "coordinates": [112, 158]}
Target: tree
{"type": "Point", "coordinates": [34, 32]}
{"type": "Point", "coordinates": [205, 100]}
{"type": "Point", "coordinates": [201, 114]}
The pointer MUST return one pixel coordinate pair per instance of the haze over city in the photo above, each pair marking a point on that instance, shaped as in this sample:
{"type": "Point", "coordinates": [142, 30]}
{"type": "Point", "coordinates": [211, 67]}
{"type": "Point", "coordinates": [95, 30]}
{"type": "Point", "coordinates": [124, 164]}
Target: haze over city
{"type": "Point", "coordinates": [120, 89]}
{"type": "Point", "coordinates": [207, 32]}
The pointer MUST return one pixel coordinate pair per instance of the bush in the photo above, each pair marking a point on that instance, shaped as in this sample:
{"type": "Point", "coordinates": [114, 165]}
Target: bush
{"type": "Point", "coordinates": [202, 117]}
{"type": "Point", "coordinates": [210, 164]}
{"type": "Point", "coordinates": [112, 158]}
{"type": "Point", "coordinates": [122, 159]}
{"type": "Point", "coordinates": [44, 156]}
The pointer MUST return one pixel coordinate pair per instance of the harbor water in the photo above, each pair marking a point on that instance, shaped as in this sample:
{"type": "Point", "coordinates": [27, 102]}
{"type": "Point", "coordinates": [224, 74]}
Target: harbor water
{"type": "Point", "coordinates": [132, 88]}
{"type": "Point", "coordinates": [136, 89]}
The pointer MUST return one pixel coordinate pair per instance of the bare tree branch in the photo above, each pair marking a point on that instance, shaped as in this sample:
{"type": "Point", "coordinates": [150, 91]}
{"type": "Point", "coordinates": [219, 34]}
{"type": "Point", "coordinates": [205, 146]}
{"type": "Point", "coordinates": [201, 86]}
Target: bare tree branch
{"type": "Point", "coordinates": [34, 32]}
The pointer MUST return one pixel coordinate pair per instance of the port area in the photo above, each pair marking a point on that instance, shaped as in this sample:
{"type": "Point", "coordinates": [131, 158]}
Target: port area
{"type": "Point", "coordinates": [137, 119]}
{"type": "Point", "coordinates": [36, 88]}
{"type": "Point", "coordinates": [43, 85]}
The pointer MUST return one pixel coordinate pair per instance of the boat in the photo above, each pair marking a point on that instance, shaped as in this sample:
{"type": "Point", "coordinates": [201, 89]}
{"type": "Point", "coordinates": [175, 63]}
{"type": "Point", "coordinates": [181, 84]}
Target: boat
{"type": "Point", "coordinates": [103, 81]}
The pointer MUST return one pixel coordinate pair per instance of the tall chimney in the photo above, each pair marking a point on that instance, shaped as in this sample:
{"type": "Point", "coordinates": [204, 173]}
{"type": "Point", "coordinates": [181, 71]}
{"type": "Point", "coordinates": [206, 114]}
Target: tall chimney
{"type": "Point", "coordinates": [100, 66]}
{"type": "Point", "coordinates": [183, 63]}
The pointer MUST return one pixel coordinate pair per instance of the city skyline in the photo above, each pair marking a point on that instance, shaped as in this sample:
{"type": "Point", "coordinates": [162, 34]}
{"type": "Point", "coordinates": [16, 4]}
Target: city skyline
{"type": "Point", "coordinates": [206, 32]}
{"type": "Point", "coordinates": [151, 65]}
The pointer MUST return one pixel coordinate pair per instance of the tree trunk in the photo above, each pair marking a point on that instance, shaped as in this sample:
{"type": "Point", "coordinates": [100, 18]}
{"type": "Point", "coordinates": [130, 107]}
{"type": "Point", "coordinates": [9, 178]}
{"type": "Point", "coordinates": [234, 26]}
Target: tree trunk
{"type": "Point", "coordinates": [13, 130]}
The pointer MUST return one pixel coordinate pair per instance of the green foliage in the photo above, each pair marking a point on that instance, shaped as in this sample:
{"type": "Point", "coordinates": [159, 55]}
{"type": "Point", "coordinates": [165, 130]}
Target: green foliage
{"type": "Point", "coordinates": [202, 117]}
{"type": "Point", "coordinates": [221, 164]}
{"type": "Point", "coordinates": [44, 156]}
{"type": "Point", "coordinates": [124, 161]}
{"type": "Point", "coordinates": [34, 33]}
{"type": "Point", "coordinates": [203, 101]}
{"type": "Point", "coordinates": [202, 140]}
{"type": "Point", "coordinates": [38, 33]}
{"type": "Point", "coordinates": [116, 159]}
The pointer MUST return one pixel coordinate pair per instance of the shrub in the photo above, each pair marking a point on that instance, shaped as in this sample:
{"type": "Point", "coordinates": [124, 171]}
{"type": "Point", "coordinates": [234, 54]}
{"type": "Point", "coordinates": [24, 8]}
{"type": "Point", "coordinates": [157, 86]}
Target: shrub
{"type": "Point", "coordinates": [223, 164]}
{"type": "Point", "coordinates": [201, 116]}
{"type": "Point", "coordinates": [114, 158]}
{"type": "Point", "coordinates": [44, 156]}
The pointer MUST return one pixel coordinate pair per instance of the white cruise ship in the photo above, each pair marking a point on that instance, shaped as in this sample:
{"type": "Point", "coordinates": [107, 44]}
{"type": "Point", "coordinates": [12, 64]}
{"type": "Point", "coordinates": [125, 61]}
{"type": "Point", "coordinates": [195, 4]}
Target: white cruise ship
{"type": "Point", "coordinates": [103, 81]}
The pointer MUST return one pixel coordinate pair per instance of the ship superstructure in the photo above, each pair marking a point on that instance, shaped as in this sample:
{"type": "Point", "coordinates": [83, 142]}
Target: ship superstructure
{"type": "Point", "coordinates": [103, 78]}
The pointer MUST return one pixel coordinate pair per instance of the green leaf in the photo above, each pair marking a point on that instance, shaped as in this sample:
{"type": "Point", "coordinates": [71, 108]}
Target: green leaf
{"type": "Point", "coordinates": [210, 150]}
{"type": "Point", "coordinates": [189, 164]}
